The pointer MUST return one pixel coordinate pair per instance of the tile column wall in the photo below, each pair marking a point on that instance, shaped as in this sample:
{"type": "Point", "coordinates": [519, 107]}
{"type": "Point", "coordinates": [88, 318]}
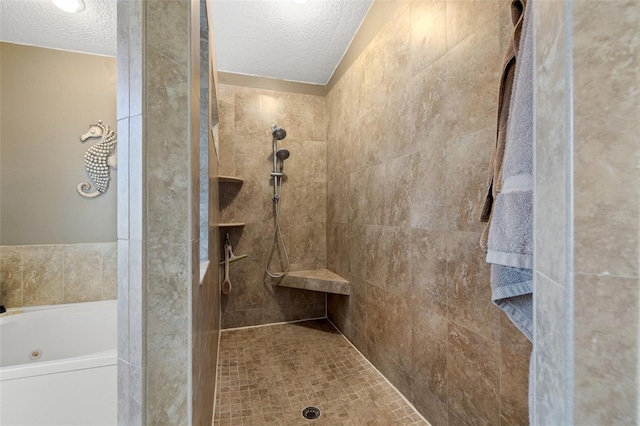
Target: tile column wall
{"type": "Point", "coordinates": [158, 215]}
{"type": "Point", "coordinates": [587, 209]}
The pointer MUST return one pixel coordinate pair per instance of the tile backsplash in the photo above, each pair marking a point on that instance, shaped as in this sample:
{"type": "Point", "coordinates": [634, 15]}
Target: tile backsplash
{"type": "Point", "coordinates": [57, 273]}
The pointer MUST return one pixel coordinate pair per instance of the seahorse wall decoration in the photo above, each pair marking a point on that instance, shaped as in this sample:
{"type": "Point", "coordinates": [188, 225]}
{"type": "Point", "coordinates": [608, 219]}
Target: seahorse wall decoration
{"type": "Point", "coordinates": [98, 159]}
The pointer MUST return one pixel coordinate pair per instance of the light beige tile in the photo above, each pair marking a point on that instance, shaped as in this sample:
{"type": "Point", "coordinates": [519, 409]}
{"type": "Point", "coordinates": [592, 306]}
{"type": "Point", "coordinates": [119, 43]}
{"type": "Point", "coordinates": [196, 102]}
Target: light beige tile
{"type": "Point", "coordinates": [249, 121]}
{"type": "Point", "coordinates": [42, 275]}
{"type": "Point", "coordinates": [397, 255]}
{"type": "Point", "coordinates": [248, 203]}
{"type": "Point", "coordinates": [398, 133]}
{"type": "Point", "coordinates": [550, 339]}
{"type": "Point", "coordinates": [468, 287]}
{"type": "Point", "coordinates": [339, 245]}
{"type": "Point", "coordinates": [400, 334]}
{"type": "Point", "coordinates": [109, 252]}
{"type": "Point", "coordinates": [428, 404]}
{"type": "Point", "coordinates": [11, 276]}
{"type": "Point", "coordinates": [429, 256]}
{"type": "Point", "coordinates": [428, 101]}
{"type": "Point", "coordinates": [293, 112]}
{"type": "Point", "coordinates": [428, 33]}
{"type": "Point", "coordinates": [375, 256]}
{"type": "Point", "coordinates": [248, 290]}
{"type": "Point", "coordinates": [397, 47]}
{"type": "Point", "coordinates": [473, 377]}
{"type": "Point", "coordinates": [472, 93]}
{"type": "Point", "coordinates": [606, 349]}
{"type": "Point", "coordinates": [167, 332]}
{"type": "Point", "coordinates": [606, 142]}
{"type": "Point", "coordinates": [319, 110]}
{"type": "Point", "coordinates": [429, 352]}
{"type": "Point", "coordinates": [514, 387]}
{"type": "Point", "coordinates": [551, 140]}
{"type": "Point", "coordinates": [428, 206]}
{"type": "Point", "coordinates": [357, 251]}
{"type": "Point", "coordinates": [226, 130]}
{"type": "Point", "coordinates": [319, 161]}
{"type": "Point", "coordinates": [607, 243]}
{"type": "Point", "coordinates": [466, 16]}
{"type": "Point", "coordinates": [166, 29]}
{"type": "Point", "coordinates": [466, 177]}
{"type": "Point", "coordinates": [167, 147]}
{"type": "Point", "coordinates": [82, 272]}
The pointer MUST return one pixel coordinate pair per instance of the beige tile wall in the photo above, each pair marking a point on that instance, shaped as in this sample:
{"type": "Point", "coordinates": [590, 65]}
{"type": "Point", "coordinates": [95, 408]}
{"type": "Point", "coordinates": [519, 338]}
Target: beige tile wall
{"type": "Point", "coordinates": [606, 183]}
{"type": "Point", "coordinates": [246, 116]}
{"type": "Point", "coordinates": [410, 131]}
{"type": "Point", "coordinates": [57, 273]}
{"type": "Point", "coordinates": [588, 198]}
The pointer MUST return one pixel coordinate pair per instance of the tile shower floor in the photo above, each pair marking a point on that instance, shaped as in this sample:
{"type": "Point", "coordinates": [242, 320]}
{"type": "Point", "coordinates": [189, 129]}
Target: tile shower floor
{"type": "Point", "coordinates": [268, 375]}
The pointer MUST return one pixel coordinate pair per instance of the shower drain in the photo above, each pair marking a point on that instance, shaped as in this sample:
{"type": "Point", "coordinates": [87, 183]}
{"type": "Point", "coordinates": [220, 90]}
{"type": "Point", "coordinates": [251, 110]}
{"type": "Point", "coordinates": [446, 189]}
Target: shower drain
{"type": "Point", "coordinates": [311, 413]}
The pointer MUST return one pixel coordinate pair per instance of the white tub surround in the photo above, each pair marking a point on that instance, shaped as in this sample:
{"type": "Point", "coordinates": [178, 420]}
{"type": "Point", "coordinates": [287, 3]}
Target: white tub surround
{"type": "Point", "coordinates": [62, 360]}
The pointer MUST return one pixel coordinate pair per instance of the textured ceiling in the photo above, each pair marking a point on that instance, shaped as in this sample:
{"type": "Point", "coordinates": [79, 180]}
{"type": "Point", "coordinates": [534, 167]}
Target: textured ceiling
{"type": "Point", "coordinates": [269, 38]}
{"type": "Point", "coordinates": [40, 23]}
{"type": "Point", "coordinates": [284, 40]}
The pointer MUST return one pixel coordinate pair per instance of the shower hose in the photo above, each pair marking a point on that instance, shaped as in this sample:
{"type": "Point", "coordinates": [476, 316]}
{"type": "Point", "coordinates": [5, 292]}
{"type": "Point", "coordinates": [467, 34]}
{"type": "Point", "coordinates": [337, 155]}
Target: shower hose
{"type": "Point", "coordinates": [277, 234]}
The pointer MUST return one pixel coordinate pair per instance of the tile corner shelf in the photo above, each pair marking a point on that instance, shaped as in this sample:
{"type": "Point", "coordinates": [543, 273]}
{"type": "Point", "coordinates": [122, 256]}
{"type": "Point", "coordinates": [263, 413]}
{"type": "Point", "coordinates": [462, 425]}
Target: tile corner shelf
{"type": "Point", "coordinates": [229, 179]}
{"type": "Point", "coordinates": [316, 280]}
{"type": "Point", "coordinates": [230, 224]}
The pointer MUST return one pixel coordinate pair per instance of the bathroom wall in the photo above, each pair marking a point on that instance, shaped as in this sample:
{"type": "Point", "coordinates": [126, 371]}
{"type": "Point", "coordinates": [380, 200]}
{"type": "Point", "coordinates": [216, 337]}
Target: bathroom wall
{"type": "Point", "coordinates": [411, 126]}
{"type": "Point", "coordinates": [587, 209]}
{"type": "Point", "coordinates": [246, 116]}
{"type": "Point", "coordinates": [49, 98]}
{"type": "Point", "coordinates": [56, 246]}
{"type": "Point", "coordinates": [167, 321]}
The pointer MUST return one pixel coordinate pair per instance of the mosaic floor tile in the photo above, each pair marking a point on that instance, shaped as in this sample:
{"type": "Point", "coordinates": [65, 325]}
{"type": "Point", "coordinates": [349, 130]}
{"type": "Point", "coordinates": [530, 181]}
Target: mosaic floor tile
{"type": "Point", "coordinates": [268, 375]}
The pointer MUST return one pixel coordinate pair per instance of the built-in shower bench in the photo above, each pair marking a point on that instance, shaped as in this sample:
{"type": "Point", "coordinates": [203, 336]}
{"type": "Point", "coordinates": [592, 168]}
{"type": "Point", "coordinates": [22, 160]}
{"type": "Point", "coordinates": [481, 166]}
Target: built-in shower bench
{"type": "Point", "coordinates": [316, 280]}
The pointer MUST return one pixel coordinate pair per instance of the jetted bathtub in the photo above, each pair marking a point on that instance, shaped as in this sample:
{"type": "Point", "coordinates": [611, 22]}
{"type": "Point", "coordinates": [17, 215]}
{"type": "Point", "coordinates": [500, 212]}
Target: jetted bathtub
{"type": "Point", "coordinates": [58, 365]}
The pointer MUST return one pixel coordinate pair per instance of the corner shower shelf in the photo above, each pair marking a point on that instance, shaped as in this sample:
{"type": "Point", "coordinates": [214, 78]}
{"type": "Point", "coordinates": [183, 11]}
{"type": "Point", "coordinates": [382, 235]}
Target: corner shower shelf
{"type": "Point", "coordinates": [230, 179]}
{"type": "Point", "coordinates": [230, 224]}
{"type": "Point", "coordinates": [316, 280]}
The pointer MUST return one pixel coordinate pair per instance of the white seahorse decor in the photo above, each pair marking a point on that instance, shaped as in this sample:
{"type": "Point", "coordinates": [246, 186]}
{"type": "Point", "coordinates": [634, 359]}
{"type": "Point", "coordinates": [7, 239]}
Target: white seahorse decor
{"type": "Point", "coordinates": [98, 159]}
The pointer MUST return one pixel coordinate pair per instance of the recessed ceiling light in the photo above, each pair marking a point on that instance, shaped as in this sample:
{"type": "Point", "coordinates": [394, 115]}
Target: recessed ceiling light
{"type": "Point", "coordinates": [71, 6]}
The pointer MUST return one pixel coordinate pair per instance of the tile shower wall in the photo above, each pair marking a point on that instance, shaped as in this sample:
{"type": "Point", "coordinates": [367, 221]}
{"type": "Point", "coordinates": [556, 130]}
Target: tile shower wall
{"type": "Point", "coordinates": [57, 273]}
{"type": "Point", "coordinates": [246, 116]}
{"type": "Point", "coordinates": [410, 127]}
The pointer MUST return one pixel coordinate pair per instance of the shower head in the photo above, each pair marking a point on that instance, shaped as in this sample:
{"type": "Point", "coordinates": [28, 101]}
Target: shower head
{"type": "Point", "coordinates": [283, 154]}
{"type": "Point", "coordinates": [278, 132]}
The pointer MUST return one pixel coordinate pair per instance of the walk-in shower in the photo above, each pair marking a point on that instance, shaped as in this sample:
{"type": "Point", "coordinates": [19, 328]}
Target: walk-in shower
{"type": "Point", "coordinates": [279, 155]}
